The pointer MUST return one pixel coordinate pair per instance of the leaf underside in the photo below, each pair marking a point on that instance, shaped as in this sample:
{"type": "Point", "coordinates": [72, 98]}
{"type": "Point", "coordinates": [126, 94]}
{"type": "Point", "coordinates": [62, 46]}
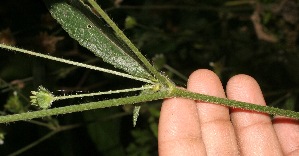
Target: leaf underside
{"type": "Point", "coordinates": [94, 35]}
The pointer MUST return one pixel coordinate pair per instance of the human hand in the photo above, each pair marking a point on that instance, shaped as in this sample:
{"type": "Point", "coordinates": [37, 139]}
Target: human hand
{"type": "Point", "coordinates": [188, 127]}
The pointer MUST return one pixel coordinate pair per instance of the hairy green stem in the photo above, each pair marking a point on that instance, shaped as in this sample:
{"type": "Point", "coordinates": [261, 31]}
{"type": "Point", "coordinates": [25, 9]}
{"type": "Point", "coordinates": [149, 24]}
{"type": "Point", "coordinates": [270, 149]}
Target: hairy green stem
{"type": "Point", "coordinates": [102, 93]}
{"type": "Point", "coordinates": [73, 63]}
{"type": "Point", "coordinates": [177, 92]}
{"type": "Point", "coordinates": [124, 38]}
{"type": "Point", "coordinates": [84, 107]}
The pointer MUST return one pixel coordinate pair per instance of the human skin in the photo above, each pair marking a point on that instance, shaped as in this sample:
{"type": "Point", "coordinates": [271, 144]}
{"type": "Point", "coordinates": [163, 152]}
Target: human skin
{"type": "Point", "coordinates": [193, 128]}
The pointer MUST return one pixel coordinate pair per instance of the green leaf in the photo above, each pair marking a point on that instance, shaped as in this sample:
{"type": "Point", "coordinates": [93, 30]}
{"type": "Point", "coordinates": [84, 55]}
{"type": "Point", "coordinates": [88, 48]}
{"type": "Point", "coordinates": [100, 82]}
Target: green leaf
{"type": "Point", "coordinates": [91, 32]}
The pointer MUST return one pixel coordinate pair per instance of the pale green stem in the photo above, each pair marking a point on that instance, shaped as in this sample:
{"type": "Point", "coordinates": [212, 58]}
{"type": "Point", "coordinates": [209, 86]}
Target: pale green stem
{"type": "Point", "coordinates": [73, 63]}
{"type": "Point", "coordinates": [84, 107]}
{"type": "Point", "coordinates": [177, 92]}
{"type": "Point", "coordinates": [102, 93]}
{"type": "Point", "coordinates": [124, 38]}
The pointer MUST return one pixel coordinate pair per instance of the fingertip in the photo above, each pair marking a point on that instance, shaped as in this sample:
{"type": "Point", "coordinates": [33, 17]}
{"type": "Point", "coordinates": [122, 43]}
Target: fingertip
{"type": "Point", "coordinates": [216, 128]}
{"type": "Point", "coordinates": [244, 88]}
{"type": "Point", "coordinates": [254, 130]}
{"type": "Point", "coordinates": [205, 81]}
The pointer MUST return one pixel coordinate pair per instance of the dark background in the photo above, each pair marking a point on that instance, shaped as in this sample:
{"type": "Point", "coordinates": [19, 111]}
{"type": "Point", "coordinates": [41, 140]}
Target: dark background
{"type": "Point", "coordinates": [176, 36]}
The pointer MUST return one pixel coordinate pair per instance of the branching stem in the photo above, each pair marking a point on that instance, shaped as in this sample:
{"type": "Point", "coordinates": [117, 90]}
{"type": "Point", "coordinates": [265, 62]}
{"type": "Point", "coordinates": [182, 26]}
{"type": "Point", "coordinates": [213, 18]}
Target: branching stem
{"type": "Point", "coordinates": [167, 90]}
{"type": "Point", "coordinates": [74, 63]}
{"type": "Point", "coordinates": [84, 107]}
{"type": "Point", "coordinates": [101, 93]}
{"type": "Point", "coordinates": [124, 38]}
{"type": "Point", "coordinates": [176, 92]}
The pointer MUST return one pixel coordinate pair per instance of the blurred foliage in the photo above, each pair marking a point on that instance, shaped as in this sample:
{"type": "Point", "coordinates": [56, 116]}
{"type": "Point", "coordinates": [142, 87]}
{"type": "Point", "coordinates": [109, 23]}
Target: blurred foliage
{"type": "Point", "coordinates": [259, 38]}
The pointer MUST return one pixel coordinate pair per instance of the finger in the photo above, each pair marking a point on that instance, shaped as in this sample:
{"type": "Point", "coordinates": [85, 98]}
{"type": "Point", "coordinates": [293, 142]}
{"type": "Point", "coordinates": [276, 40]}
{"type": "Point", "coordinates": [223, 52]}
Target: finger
{"type": "Point", "coordinates": [179, 131]}
{"type": "Point", "coordinates": [254, 130]}
{"type": "Point", "coordinates": [287, 131]}
{"type": "Point", "coordinates": [217, 130]}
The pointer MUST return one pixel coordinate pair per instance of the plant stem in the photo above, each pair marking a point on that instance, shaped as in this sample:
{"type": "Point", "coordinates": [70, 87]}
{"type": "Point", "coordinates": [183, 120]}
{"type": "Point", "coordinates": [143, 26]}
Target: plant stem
{"type": "Point", "coordinates": [177, 92]}
{"type": "Point", "coordinates": [74, 63]}
{"type": "Point", "coordinates": [101, 93]}
{"type": "Point", "coordinates": [124, 38]}
{"type": "Point", "coordinates": [84, 107]}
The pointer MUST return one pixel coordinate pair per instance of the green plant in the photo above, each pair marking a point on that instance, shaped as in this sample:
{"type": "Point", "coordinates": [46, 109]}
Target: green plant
{"type": "Point", "coordinates": [128, 58]}
{"type": "Point", "coordinates": [157, 86]}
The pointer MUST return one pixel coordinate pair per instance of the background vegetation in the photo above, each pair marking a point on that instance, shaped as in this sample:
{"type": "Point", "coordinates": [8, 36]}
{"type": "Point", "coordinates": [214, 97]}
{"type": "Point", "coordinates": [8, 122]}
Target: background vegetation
{"type": "Point", "coordinates": [259, 38]}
